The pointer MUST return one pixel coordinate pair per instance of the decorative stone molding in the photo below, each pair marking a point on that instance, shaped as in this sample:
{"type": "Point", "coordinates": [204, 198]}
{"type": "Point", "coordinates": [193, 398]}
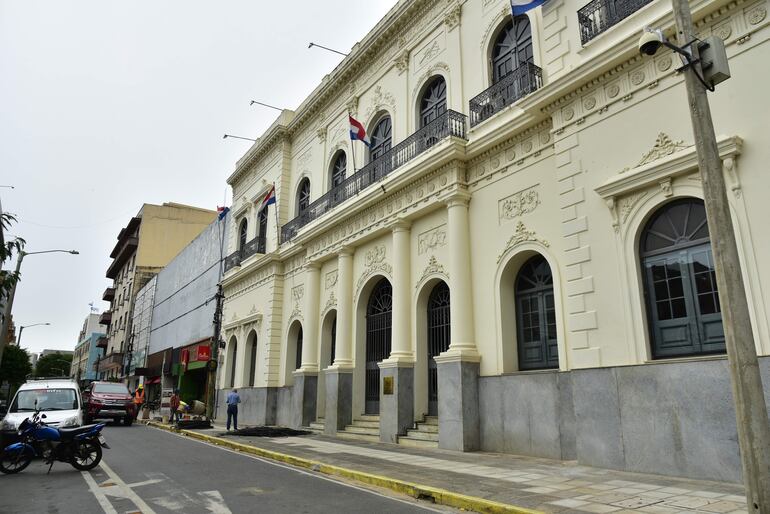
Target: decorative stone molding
{"type": "Point", "coordinates": [432, 268]}
{"type": "Point", "coordinates": [492, 25]}
{"type": "Point", "coordinates": [352, 106]}
{"type": "Point", "coordinates": [331, 303]}
{"type": "Point", "coordinates": [427, 54]}
{"type": "Point", "coordinates": [402, 61]}
{"type": "Point", "coordinates": [518, 204]}
{"type": "Point", "coordinates": [452, 16]}
{"type": "Point", "coordinates": [522, 235]}
{"type": "Point", "coordinates": [756, 15]}
{"type": "Point", "coordinates": [382, 268]}
{"type": "Point", "coordinates": [330, 280]}
{"type": "Point", "coordinates": [664, 146]}
{"type": "Point", "coordinates": [431, 239]}
{"type": "Point", "coordinates": [297, 293]}
{"type": "Point", "coordinates": [321, 134]}
{"type": "Point", "coordinates": [375, 255]}
{"type": "Point", "coordinates": [380, 101]}
{"type": "Point", "coordinates": [436, 69]}
{"type": "Point", "coordinates": [665, 186]}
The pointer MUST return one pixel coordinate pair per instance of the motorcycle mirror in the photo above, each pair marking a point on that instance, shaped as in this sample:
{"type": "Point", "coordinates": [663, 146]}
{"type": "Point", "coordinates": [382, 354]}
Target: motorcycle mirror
{"type": "Point", "coordinates": [43, 416]}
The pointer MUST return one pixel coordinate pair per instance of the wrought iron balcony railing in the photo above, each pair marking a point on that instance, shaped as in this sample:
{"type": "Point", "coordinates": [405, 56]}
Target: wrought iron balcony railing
{"type": "Point", "coordinates": [253, 247]}
{"type": "Point", "coordinates": [515, 85]}
{"type": "Point", "coordinates": [599, 15]}
{"type": "Point", "coordinates": [450, 123]}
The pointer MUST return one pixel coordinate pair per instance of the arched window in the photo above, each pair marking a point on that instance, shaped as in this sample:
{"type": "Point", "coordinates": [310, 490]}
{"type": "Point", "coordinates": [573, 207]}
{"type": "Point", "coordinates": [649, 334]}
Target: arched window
{"type": "Point", "coordinates": [303, 196]}
{"type": "Point", "coordinates": [381, 138]}
{"type": "Point", "coordinates": [232, 357]}
{"type": "Point", "coordinates": [536, 316]}
{"type": "Point", "coordinates": [379, 315]}
{"type": "Point", "coordinates": [262, 219]}
{"type": "Point", "coordinates": [242, 234]}
{"type": "Point", "coordinates": [439, 331]}
{"type": "Point", "coordinates": [339, 168]}
{"type": "Point", "coordinates": [298, 356]}
{"type": "Point", "coordinates": [512, 48]}
{"type": "Point", "coordinates": [683, 311]}
{"type": "Point", "coordinates": [253, 362]}
{"type": "Point", "coordinates": [333, 341]}
{"type": "Point", "coordinates": [433, 101]}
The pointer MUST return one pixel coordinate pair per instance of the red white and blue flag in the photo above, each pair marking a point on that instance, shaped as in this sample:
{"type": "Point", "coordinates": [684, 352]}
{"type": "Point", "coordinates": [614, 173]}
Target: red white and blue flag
{"type": "Point", "coordinates": [357, 131]}
{"type": "Point", "coordinates": [521, 6]}
{"type": "Point", "coordinates": [269, 198]}
{"type": "Point", "coordinates": [222, 211]}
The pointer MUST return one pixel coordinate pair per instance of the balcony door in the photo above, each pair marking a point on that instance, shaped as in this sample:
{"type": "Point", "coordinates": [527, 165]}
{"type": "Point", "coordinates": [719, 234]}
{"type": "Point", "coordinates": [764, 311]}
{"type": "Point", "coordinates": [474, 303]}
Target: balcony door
{"type": "Point", "coordinates": [512, 51]}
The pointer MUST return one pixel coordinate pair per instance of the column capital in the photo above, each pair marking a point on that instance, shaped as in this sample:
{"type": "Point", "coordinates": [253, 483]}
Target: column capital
{"type": "Point", "coordinates": [401, 225]}
{"type": "Point", "coordinates": [457, 198]}
{"type": "Point", "coordinates": [313, 266]}
{"type": "Point", "coordinates": [347, 251]}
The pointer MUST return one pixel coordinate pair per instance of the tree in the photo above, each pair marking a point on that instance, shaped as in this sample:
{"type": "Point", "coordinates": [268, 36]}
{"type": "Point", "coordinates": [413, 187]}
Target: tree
{"type": "Point", "coordinates": [7, 250]}
{"type": "Point", "coordinates": [15, 367]}
{"type": "Point", "coordinates": [52, 365]}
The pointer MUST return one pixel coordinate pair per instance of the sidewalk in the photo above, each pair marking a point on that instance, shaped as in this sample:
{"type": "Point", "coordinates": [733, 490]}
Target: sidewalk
{"type": "Point", "coordinates": [524, 482]}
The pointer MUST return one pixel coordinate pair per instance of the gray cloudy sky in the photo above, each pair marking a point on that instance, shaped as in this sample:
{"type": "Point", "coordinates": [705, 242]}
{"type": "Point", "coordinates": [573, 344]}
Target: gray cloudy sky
{"type": "Point", "coordinates": [108, 105]}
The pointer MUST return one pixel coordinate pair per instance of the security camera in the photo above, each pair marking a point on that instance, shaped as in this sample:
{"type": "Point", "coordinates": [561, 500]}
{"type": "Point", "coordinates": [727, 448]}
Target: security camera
{"type": "Point", "coordinates": [651, 41]}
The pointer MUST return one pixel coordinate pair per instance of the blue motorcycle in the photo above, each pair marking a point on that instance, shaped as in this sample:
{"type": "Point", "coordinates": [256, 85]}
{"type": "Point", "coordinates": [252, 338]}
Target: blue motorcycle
{"type": "Point", "coordinates": [80, 446]}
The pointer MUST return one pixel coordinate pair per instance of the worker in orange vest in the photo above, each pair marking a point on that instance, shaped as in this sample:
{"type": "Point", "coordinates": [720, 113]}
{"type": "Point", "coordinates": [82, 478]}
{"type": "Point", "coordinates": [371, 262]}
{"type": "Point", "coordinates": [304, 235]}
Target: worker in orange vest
{"type": "Point", "coordinates": [139, 396]}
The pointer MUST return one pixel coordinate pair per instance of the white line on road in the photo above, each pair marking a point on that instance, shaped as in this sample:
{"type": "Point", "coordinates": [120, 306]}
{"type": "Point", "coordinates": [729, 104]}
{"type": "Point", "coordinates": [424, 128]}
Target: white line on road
{"type": "Point", "coordinates": [314, 475]}
{"type": "Point", "coordinates": [125, 491]}
{"type": "Point", "coordinates": [146, 482]}
{"type": "Point", "coordinates": [100, 497]}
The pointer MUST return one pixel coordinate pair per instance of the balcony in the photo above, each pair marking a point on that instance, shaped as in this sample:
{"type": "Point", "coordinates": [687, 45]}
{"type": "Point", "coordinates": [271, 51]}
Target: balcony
{"type": "Point", "coordinates": [509, 89]}
{"type": "Point", "coordinates": [105, 318]}
{"type": "Point", "coordinates": [101, 342]}
{"type": "Point", "coordinates": [110, 361]}
{"type": "Point", "coordinates": [109, 294]}
{"type": "Point", "coordinates": [450, 123]}
{"type": "Point", "coordinates": [120, 255]}
{"type": "Point", "coordinates": [253, 247]}
{"type": "Point", "coordinates": [599, 15]}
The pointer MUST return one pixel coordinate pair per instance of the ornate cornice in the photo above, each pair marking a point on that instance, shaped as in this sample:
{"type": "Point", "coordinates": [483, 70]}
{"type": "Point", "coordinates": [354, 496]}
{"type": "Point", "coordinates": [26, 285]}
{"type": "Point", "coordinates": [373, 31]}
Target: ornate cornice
{"type": "Point", "coordinates": [522, 235]}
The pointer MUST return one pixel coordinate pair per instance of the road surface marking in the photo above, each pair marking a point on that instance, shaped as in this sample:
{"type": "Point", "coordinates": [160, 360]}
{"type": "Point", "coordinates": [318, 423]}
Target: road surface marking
{"type": "Point", "coordinates": [146, 482]}
{"type": "Point", "coordinates": [100, 497]}
{"type": "Point", "coordinates": [124, 490]}
{"type": "Point", "coordinates": [215, 502]}
{"type": "Point", "coordinates": [297, 470]}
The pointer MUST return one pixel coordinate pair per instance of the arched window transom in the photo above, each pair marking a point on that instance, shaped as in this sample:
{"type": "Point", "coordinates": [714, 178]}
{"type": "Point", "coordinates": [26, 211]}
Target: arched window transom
{"type": "Point", "coordinates": [381, 138]}
{"type": "Point", "coordinates": [243, 234]}
{"type": "Point", "coordinates": [339, 169]}
{"type": "Point", "coordinates": [303, 196]}
{"type": "Point", "coordinates": [433, 101]}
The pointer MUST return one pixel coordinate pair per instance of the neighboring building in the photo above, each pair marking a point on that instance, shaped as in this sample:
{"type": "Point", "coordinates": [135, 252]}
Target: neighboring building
{"type": "Point", "coordinates": [183, 316]}
{"type": "Point", "coordinates": [60, 352]}
{"type": "Point", "coordinates": [32, 359]}
{"type": "Point", "coordinates": [140, 326]}
{"type": "Point", "coordinates": [86, 351]}
{"type": "Point", "coordinates": [149, 241]}
{"type": "Point", "coordinates": [523, 251]}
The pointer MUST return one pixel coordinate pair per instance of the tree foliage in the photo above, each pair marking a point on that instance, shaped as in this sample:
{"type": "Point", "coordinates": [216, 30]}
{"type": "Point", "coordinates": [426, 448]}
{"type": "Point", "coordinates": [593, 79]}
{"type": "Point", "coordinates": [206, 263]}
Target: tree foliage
{"type": "Point", "coordinates": [7, 250]}
{"type": "Point", "coordinates": [53, 365]}
{"type": "Point", "coordinates": [15, 366]}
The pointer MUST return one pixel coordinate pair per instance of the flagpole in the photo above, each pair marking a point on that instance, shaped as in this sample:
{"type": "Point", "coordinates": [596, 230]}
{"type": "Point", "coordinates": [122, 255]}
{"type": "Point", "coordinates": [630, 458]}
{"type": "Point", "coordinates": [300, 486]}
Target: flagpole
{"type": "Point", "coordinates": [352, 146]}
{"type": "Point", "coordinates": [277, 228]}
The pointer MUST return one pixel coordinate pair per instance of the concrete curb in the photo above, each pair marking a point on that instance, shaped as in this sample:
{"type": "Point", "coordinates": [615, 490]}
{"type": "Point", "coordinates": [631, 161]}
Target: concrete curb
{"type": "Point", "coordinates": [438, 496]}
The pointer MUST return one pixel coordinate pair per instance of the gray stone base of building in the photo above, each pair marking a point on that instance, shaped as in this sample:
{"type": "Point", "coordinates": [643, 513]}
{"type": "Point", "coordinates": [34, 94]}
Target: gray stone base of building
{"type": "Point", "coordinates": [669, 417]}
{"type": "Point", "coordinates": [396, 408]}
{"type": "Point", "coordinates": [339, 400]}
{"type": "Point", "coordinates": [303, 400]}
{"type": "Point", "coordinates": [259, 406]}
{"type": "Point", "coordinates": [458, 405]}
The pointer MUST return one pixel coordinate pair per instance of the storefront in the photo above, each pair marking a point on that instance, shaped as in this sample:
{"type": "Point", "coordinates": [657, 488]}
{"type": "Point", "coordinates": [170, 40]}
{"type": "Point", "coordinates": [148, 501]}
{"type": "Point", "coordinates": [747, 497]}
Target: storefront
{"type": "Point", "coordinates": [192, 371]}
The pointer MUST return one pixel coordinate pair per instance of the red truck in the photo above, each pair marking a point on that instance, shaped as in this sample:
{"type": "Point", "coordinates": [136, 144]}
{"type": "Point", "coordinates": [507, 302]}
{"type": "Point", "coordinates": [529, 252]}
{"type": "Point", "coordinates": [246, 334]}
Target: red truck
{"type": "Point", "coordinates": [108, 400]}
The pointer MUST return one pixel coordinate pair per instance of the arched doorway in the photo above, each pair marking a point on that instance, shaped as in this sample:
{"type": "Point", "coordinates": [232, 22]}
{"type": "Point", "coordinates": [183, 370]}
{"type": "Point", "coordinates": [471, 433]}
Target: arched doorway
{"type": "Point", "coordinates": [379, 313]}
{"type": "Point", "coordinates": [536, 316]}
{"type": "Point", "coordinates": [513, 50]}
{"type": "Point", "coordinates": [683, 312]}
{"type": "Point", "coordinates": [438, 339]}
{"type": "Point", "coordinates": [232, 352]}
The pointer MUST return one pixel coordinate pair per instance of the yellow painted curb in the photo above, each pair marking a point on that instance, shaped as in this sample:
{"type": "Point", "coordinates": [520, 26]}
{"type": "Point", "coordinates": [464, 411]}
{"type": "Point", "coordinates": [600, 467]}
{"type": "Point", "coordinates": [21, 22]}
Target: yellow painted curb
{"type": "Point", "coordinates": [439, 496]}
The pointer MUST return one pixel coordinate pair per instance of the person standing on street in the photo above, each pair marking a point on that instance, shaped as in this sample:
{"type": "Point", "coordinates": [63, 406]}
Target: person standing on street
{"type": "Point", "coordinates": [174, 406]}
{"type": "Point", "coordinates": [139, 397]}
{"type": "Point", "coordinates": [232, 408]}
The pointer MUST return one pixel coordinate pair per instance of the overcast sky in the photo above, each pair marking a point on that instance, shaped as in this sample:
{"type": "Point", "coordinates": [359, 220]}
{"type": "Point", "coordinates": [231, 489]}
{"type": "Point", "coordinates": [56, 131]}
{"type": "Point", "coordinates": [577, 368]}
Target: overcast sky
{"type": "Point", "coordinates": [108, 105]}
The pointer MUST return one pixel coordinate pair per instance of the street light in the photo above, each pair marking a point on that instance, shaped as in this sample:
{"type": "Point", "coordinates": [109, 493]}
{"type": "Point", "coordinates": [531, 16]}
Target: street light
{"type": "Point", "coordinates": [21, 329]}
{"type": "Point", "coordinates": [748, 395]}
{"type": "Point", "coordinates": [9, 301]}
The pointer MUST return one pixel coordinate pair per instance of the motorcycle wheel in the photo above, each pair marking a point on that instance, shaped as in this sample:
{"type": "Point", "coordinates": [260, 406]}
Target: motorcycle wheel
{"type": "Point", "coordinates": [13, 462]}
{"type": "Point", "coordinates": [86, 455]}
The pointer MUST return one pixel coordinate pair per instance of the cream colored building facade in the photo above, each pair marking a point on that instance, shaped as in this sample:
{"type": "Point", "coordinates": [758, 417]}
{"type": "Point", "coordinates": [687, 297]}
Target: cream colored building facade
{"type": "Point", "coordinates": [563, 186]}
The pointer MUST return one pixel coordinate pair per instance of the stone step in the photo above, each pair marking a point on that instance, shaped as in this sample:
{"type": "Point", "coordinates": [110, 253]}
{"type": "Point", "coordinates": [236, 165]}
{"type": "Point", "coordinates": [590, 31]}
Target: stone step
{"type": "Point", "coordinates": [431, 420]}
{"type": "Point", "coordinates": [369, 417]}
{"type": "Point", "coordinates": [425, 436]}
{"type": "Point", "coordinates": [425, 427]}
{"type": "Point", "coordinates": [368, 424]}
{"type": "Point", "coordinates": [412, 442]}
{"type": "Point", "coordinates": [317, 425]}
{"type": "Point", "coordinates": [354, 429]}
{"type": "Point", "coordinates": [359, 437]}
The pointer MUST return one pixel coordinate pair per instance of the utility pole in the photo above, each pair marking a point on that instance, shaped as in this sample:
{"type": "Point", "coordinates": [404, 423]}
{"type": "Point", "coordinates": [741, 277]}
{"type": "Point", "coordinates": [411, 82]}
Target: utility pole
{"type": "Point", "coordinates": [748, 396]}
{"type": "Point", "coordinates": [214, 355]}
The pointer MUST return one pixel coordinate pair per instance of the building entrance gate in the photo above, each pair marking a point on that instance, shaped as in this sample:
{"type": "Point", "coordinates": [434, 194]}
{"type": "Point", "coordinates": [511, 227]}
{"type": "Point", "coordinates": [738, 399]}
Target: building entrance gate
{"type": "Point", "coordinates": [438, 339]}
{"type": "Point", "coordinates": [379, 313]}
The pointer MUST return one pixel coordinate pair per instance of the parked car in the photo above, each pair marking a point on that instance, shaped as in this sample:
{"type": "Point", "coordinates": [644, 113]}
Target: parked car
{"type": "Point", "coordinates": [108, 400]}
{"type": "Point", "coordinates": [58, 398]}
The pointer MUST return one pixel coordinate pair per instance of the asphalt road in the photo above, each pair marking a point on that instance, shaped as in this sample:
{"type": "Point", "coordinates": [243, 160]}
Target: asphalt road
{"type": "Point", "coordinates": [152, 471]}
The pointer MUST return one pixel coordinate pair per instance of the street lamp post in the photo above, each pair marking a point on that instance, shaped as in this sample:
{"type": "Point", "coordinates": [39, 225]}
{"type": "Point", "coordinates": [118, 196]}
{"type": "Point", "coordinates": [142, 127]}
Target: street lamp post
{"type": "Point", "coordinates": [9, 302]}
{"type": "Point", "coordinates": [748, 395]}
{"type": "Point", "coordinates": [21, 329]}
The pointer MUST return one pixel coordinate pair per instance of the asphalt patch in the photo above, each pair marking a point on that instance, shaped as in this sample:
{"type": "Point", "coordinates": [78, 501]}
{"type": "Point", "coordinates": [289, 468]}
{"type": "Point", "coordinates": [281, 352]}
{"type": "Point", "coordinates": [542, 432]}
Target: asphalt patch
{"type": "Point", "coordinates": [266, 432]}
